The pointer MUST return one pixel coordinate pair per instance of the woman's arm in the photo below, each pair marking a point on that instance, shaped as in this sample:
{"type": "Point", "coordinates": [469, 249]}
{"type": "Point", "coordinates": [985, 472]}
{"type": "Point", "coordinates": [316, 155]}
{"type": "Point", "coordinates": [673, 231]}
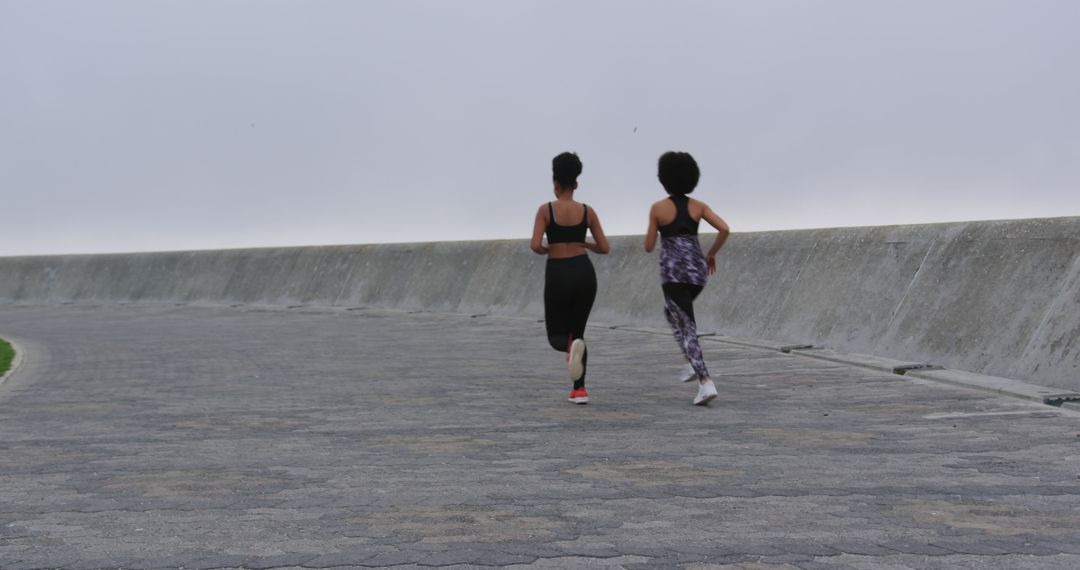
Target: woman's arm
{"type": "Point", "coordinates": [650, 234]}
{"type": "Point", "coordinates": [537, 243]}
{"type": "Point", "coordinates": [601, 245]}
{"type": "Point", "coordinates": [723, 231]}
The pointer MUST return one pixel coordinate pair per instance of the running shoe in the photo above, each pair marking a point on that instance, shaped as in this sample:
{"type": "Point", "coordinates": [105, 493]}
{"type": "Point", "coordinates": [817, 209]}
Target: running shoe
{"type": "Point", "coordinates": [579, 396]}
{"type": "Point", "coordinates": [688, 374]}
{"type": "Point", "coordinates": [574, 356]}
{"type": "Point", "coordinates": [706, 393]}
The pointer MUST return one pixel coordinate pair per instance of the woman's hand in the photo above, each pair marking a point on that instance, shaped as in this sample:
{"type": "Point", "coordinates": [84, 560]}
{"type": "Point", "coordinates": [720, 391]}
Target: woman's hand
{"type": "Point", "coordinates": [710, 261]}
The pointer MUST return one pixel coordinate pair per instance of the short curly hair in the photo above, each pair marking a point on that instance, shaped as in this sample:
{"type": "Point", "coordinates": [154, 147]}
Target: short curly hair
{"type": "Point", "coordinates": [678, 172]}
{"type": "Point", "coordinates": [565, 169]}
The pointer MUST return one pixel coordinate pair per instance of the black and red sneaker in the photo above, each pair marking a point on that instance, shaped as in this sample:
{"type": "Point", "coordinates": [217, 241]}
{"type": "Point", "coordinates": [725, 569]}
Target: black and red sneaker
{"type": "Point", "coordinates": [579, 396]}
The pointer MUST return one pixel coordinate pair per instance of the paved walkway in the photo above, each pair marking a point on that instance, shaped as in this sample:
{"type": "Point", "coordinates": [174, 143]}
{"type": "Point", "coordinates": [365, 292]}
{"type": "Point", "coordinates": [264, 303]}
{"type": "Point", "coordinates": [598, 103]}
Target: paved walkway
{"type": "Point", "coordinates": [272, 438]}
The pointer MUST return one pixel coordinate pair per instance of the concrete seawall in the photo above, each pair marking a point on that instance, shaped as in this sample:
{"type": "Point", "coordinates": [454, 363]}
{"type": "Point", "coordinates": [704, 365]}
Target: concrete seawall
{"type": "Point", "coordinates": [998, 297]}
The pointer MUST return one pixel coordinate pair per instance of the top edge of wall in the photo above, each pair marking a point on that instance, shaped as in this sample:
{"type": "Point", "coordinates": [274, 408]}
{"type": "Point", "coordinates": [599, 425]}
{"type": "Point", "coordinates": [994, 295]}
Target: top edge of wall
{"type": "Point", "coordinates": [1059, 219]}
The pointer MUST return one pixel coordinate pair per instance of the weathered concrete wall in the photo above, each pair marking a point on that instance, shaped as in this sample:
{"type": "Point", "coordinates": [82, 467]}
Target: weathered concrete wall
{"type": "Point", "coordinates": [1000, 297]}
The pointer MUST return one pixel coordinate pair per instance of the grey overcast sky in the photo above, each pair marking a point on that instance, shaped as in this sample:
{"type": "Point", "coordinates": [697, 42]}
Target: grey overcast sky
{"type": "Point", "coordinates": [162, 125]}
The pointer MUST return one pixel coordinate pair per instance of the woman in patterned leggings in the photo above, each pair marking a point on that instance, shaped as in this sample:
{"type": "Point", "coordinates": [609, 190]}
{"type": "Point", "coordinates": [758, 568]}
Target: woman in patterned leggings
{"type": "Point", "coordinates": [683, 266]}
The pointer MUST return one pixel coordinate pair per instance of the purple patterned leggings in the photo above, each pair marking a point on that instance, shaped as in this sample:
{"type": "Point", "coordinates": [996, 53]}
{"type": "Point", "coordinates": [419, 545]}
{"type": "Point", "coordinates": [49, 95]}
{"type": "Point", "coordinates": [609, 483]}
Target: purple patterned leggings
{"type": "Point", "coordinates": [679, 311]}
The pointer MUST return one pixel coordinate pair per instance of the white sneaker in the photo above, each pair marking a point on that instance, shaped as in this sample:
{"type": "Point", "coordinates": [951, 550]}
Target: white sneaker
{"type": "Point", "coordinates": [705, 393]}
{"type": "Point", "coordinates": [687, 374]}
{"type": "Point", "coordinates": [573, 361]}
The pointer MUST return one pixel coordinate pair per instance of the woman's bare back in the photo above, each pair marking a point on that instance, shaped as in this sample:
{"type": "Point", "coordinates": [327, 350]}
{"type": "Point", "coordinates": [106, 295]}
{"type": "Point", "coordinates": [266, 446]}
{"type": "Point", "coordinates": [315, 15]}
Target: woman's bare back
{"type": "Point", "coordinates": [665, 210]}
{"type": "Point", "coordinates": [567, 213]}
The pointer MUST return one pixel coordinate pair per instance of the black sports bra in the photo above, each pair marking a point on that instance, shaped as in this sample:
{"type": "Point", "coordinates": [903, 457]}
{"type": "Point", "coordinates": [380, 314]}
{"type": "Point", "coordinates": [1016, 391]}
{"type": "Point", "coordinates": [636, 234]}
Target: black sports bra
{"type": "Point", "coordinates": [683, 224]}
{"type": "Point", "coordinates": [566, 234]}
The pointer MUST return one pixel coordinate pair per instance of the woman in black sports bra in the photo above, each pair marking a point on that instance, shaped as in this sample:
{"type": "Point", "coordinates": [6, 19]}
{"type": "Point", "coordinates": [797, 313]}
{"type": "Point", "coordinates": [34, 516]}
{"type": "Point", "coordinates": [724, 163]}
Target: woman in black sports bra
{"type": "Point", "coordinates": [684, 268]}
{"type": "Point", "coordinates": [569, 279]}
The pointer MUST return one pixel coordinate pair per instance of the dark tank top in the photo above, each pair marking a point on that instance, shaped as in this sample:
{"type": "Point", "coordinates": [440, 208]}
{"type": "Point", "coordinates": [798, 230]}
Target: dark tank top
{"type": "Point", "coordinates": [683, 224]}
{"type": "Point", "coordinates": [566, 234]}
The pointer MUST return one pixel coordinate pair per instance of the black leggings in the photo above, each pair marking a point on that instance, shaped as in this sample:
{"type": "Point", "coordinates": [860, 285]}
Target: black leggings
{"type": "Point", "coordinates": [569, 291]}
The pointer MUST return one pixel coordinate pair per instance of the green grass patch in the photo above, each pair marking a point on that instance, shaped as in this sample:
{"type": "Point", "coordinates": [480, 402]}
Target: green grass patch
{"type": "Point", "coordinates": [7, 354]}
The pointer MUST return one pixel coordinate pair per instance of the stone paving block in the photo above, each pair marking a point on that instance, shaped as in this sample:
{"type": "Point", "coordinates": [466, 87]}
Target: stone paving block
{"type": "Point", "coordinates": [584, 548]}
{"type": "Point", "coordinates": [1062, 546]}
{"type": "Point", "coordinates": [796, 560]}
{"type": "Point", "coordinates": [916, 547]}
{"type": "Point", "coordinates": [665, 555]}
{"type": "Point", "coordinates": [394, 558]}
{"type": "Point", "coordinates": [344, 558]}
{"type": "Point", "coordinates": [186, 560]}
{"type": "Point", "coordinates": [761, 549]}
{"type": "Point", "coordinates": [586, 562]}
{"type": "Point", "coordinates": [805, 547]}
{"type": "Point", "coordinates": [495, 558]}
{"type": "Point", "coordinates": [969, 547]}
{"type": "Point", "coordinates": [31, 565]}
{"type": "Point", "coordinates": [111, 562]}
{"type": "Point", "coordinates": [220, 561]}
{"type": "Point", "coordinates": [537, 550]}
{"type": "Point", "coordinates": [451, 557]}
{"type": "Point", "coordinates": [1025, 547]}
{"type": "Point", "coordinates": [654, 564]}
{"type": "Point", "coordinates": [862, 548]}
{"type": "Point", "coordinates": [279, 561]}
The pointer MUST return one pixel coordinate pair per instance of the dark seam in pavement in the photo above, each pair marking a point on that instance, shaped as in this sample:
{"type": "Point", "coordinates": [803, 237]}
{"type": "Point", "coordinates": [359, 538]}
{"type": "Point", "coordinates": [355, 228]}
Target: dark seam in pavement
{"type": "Point", "coordinates": [1057, 403]}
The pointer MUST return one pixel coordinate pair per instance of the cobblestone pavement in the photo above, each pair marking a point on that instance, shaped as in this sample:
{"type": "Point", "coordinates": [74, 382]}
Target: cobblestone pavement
{"type": "Point", "coordinates": [157, 436]}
